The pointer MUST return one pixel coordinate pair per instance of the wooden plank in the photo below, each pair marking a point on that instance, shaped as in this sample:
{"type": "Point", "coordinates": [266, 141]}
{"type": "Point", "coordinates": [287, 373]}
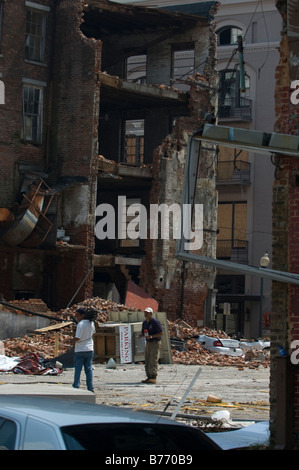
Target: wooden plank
{"type": "Point", "coordinates": [110, 345]}
{"type": "Point", "coordinates": [99, 345]}
{"type": "Point", "coordinates": [53, 327]}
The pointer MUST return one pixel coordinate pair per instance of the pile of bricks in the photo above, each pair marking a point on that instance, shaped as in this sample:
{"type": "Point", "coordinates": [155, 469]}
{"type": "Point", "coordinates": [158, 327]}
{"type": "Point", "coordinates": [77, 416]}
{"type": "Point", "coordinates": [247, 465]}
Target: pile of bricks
{"type": "Point", "coordinates": [42, 344]}
{"type": "Point", "coordinates": [195, 354]}
{"type": "Point", "coordinates": [45, 343]}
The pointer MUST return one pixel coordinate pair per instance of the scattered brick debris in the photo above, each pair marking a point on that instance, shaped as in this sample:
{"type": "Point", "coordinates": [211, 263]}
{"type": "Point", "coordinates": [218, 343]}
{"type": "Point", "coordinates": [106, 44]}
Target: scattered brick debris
{"type": "Point", "coordinates": [195, 354]}
{"type": "Point", "coordinates": [45, 343]}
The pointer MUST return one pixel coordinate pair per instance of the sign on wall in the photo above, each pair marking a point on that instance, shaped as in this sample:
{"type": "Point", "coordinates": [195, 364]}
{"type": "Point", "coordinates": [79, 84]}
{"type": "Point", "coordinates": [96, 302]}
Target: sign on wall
{"type": "Point", "coordinates": [125, 345]}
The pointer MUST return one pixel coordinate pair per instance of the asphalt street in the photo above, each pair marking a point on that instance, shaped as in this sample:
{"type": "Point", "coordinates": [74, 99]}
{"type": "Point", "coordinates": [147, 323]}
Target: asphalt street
{"type": "Point", "coordinates": [243, 393]}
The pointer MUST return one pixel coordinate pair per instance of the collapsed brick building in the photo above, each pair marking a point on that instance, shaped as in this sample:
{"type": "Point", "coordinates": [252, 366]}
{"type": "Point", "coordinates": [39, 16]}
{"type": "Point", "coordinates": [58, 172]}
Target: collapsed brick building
{"type": "Point", "coordinates": [98, 101]}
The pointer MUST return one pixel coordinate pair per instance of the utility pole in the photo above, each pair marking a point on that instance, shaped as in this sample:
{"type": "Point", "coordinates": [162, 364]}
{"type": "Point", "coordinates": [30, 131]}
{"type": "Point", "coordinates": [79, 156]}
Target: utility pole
{"type": "Point", "coordinates": [241, 64]}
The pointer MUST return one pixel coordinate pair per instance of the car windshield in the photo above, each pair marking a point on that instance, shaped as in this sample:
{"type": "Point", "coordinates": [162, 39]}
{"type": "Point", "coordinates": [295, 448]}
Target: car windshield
{"type": "Point", "coordinates": [132, 436]}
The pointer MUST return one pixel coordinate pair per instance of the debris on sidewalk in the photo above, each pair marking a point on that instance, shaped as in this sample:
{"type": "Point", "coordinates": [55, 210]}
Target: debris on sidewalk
{"type": "Point", "coordinates": [31, 364]}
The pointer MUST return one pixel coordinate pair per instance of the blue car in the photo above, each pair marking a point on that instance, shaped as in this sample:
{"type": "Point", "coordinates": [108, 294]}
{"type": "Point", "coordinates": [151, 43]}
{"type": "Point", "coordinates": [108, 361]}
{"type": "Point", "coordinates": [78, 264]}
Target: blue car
{"type": "Point", "coordinates": [40, 423]}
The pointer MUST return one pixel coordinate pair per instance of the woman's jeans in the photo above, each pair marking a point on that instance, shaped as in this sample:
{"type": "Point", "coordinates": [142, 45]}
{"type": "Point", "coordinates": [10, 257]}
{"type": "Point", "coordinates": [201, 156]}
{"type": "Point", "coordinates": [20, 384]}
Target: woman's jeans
{"type": "Point", "coordinates": [83, 359]}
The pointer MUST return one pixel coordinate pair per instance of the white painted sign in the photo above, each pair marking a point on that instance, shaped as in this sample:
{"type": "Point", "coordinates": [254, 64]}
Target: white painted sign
{"type": "Point", "coordinates": [125, 345]}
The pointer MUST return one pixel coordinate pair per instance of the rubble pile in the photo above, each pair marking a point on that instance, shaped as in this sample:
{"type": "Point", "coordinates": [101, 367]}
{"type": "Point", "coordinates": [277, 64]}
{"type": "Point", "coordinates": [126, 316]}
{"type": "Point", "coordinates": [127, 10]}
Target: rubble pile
{"type": "Point", "coordinates": [50, 342]}
{"type": "Point", "coordinates": [33, 305]}
{"type": "Point", "coordinates": [42, 344]}
{"type": "Point", "coordinates": [102, 306]}
{"type": "Point", "coordinates": [195, 354]}
{"type": "Point", "coordinates": [181, 330]}
{"type": "Point", "coordinates": [45, 343]}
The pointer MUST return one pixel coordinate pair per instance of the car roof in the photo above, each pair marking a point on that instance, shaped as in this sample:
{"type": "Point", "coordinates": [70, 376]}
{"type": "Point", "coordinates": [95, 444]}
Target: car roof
{"type": "Point", "coordinates": [66, 412]}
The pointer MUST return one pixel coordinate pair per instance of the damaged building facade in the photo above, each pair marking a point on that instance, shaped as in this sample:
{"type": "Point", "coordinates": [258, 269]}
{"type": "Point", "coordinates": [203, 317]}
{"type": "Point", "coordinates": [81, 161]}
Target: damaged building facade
{"type": "Point", "coordinates": [98, 102]}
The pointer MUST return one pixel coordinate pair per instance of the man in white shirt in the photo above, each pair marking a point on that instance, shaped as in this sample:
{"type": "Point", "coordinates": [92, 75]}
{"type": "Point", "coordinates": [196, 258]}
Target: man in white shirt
{"type": "Point", "coordinates": [84, 347]}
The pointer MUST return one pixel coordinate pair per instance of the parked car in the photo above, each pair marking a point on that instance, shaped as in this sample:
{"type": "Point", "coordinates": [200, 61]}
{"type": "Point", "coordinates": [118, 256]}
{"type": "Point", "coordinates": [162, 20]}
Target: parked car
{"type": "Point", "coordinates": [40, 423]}
{"type": "Point", "coordinates": [221, 346]}
{"type": "Point", "coordinates": [255, 344]}
{"type": "Point", "coordinates": [256, 434]}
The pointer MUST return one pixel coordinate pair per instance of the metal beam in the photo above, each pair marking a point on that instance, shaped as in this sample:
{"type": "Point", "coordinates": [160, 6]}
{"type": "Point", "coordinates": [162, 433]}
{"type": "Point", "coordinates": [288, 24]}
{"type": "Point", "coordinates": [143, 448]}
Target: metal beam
{"type": "Point", "coordinates": [188, 197]}
{"type": "Point", "coordinates": [251, 140]}
{"type": "Point", "coordinates": [266, 273]}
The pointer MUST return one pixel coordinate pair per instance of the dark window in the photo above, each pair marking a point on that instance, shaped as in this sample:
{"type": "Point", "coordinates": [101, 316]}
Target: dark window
{"type": "Point", "coordinates": [136, 69]}
{"type": "Point", "coordinates": [229, 86]}
{"type": "Point", "coordinates": [133, 436]}
{"type": "Point", "coordinates": [32, 110]}
{"type": "Point", "coordinates": [134, 141]}
{"type": "Point", "coordinates": [231, 99]}
{"type": "Point", "coordinates": [230, 284]}
{"type": "Point", "coordinates": [228, 35]}
{"type": "Point", "coordinates": [35, 35]}
{"type": "Point", "coordinates": [8, 432]}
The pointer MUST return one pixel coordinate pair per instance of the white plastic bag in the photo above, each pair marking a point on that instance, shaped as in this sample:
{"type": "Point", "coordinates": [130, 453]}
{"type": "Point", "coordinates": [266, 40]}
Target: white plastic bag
{"type": "Point", "coordinates": [221, 415]}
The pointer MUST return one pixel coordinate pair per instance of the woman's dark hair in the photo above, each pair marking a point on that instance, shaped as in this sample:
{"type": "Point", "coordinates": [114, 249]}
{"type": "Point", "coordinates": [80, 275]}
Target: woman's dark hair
{"type": "Point", "coordinates": [89, 314]}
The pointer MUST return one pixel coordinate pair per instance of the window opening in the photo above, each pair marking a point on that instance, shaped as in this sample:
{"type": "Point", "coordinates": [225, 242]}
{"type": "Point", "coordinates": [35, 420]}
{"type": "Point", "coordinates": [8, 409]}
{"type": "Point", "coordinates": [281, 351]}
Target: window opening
{"type": "Point", "coordinates": [136, 69]}
{"type": "Point", "coordinates": [229, 35]}
{"type": "Point", "coordinates": [32, 111]}
{"type": "Point", "coordinates": [35, 35]}
{"type": "Point", "coordinates": [134, 141]}
{"type": "Point", "coordinates": [183, 66]}
{"type": "Point", "coordinates": [232, 226]}
{"type": "Point", "coordinates": [233, 102]}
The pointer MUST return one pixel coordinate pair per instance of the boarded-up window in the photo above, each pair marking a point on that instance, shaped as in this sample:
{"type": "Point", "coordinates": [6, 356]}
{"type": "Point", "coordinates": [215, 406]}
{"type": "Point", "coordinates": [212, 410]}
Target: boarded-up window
{"type": "Point", "coordinates": [232, 225]}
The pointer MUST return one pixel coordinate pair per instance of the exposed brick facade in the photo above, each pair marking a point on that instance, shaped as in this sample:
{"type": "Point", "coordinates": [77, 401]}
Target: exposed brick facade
{"type": "Point", "coordinates": [14, 69]}
{"type": "Point", "coordinates": [284, 390]}
{"type": "Point", "coordinates": [80, 93]}
{"type": "Point", "coordinates": [67, 76]}
{"type": "Point", "coordinates": [182, 288]}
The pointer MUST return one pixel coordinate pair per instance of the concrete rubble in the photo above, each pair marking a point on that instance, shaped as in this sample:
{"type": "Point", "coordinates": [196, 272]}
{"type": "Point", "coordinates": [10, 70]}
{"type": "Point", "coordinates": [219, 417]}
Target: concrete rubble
{"type": "Point", "coordinates": [57, 339]}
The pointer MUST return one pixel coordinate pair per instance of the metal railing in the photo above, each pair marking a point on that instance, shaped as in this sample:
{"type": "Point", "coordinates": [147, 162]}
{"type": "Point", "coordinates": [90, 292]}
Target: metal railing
{"type": "Point", "coordinates": [235, 108]}
{"type": "Point", "coordinates": [233, 172]}
{"type": "Point", "coordinates": [234, 250]}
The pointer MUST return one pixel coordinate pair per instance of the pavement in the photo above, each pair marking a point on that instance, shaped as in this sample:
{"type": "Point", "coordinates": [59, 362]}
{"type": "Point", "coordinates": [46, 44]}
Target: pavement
{"type": "Point", "coordinates": [242, 393]}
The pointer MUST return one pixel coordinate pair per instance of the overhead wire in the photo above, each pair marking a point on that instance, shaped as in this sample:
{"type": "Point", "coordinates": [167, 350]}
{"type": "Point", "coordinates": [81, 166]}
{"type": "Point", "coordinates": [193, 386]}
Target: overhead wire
{"type": "Point", "coordinates": [268, 41]}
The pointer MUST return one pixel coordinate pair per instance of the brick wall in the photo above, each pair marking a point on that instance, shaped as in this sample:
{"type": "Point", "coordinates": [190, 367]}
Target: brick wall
{"type": "Point", "coordinates": [284, 390]}
{"type": "Point", "coordinates": [14, 69]}
{"type": "Point", "coordinates": [74, 143]}
{"type": "Point", "coordinates": [181, 288]}
{"type": "Point", "coordinates": [75, 95]}
{"type": "Point", "coordinates": [69, 146]}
